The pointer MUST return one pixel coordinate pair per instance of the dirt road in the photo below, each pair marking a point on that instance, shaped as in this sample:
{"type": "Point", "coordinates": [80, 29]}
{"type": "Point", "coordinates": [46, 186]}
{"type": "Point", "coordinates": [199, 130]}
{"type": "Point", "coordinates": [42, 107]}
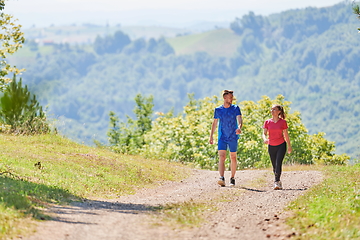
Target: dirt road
{"type": "Point", "coordinates": [255, 211]}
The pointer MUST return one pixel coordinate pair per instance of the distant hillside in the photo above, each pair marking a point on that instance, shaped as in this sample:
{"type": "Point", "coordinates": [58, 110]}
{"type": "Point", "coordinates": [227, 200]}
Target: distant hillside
{"type": "Point", "coordinates": [311, 56]}
{"type": "Point", "coordinates": [221, 43]}
{"type": "Point", "coordinates": [86, 33]}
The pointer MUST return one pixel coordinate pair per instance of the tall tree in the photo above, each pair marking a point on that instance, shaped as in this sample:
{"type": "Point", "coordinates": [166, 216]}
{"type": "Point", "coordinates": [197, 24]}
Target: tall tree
{"type": "Point", "coordinates": [111, 44]}
{"type": "Point", "coordinates": [20, 109]}
{"type": "Point", "coordinates": [129, 137]}
{"type": "Point", "coordinates": [11, 39]}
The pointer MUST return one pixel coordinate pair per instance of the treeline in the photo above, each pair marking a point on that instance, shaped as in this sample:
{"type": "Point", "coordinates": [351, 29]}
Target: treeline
{"type": "Point", "coordinates": [310, 56]}
{"type": "Point", "coordinates": [185, 137]}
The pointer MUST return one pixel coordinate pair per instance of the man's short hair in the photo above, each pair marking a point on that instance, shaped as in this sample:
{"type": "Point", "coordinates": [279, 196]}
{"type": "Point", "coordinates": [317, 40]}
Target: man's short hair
{"type": "Point", "coordinates": [226, 92]}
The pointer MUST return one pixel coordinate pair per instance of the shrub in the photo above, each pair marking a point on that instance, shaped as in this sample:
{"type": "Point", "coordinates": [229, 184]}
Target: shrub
{"type": "Point", "coordinates": [185, 138]}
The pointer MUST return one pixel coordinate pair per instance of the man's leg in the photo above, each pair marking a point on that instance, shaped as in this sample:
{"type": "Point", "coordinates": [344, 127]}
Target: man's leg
{"type": "Point", "coordinates": [233, 151]}
{"type": "Point", "coordinates": [233, 165]}
{"type": "Point", "coordinates": [222, 158]}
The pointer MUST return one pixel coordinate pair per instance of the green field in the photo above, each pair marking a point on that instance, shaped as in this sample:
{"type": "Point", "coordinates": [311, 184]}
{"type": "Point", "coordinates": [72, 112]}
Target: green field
{"type": "Point", "coordinates": [86, 34]}
{"type": "Point", "coordinates": [220, 42]}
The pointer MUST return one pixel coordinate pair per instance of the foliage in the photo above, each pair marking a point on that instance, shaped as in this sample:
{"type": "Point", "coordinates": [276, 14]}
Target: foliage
{"type": "Point", "coordinates": [129, 137]}
{"type": "Point", "coordinates": [111, 44]}
{"type": "Point", "coordinates": [356, 10]}
{"type": "Point", "coordinates": [184, 137]}
{"type": "Point", "coordinates": [160, 47]}
{"type": "Point", "coordinates": [251, 22]}
{"type": "Point", "coordinates": [330, 210]}
{"type": "Point", "coordinates": [11, 39]}
{"type": "Point", "coordinates": [21, 110]}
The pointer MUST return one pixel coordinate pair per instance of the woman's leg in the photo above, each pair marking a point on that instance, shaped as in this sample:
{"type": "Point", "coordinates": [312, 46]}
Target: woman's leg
{"type": "Point", "coordinates": [277, 154]}
{"type": "Point", "coordinates": [273, 153]}
{"type": "Point", "coordinates": [281, 150]}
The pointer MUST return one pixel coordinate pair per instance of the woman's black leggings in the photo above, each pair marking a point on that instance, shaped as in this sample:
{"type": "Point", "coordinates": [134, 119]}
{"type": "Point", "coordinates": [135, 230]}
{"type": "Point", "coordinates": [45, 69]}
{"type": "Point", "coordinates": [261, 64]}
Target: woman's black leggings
{"type": "Point", "coordinates": [277, 154]}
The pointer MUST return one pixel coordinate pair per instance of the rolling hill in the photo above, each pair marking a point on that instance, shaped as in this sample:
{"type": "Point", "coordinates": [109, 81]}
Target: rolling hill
{"type": "Point", "coordinates": [308, 55]}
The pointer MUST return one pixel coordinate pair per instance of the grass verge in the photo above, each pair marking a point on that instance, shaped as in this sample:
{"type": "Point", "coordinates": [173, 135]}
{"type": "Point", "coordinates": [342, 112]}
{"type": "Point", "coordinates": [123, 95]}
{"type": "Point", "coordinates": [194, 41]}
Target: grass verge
{"type": "Point", "coordinates": [330, 210]}
{"type": "Point", "coordinates": [36, 171]}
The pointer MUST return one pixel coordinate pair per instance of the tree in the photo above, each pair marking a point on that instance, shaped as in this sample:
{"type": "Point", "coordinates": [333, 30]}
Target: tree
{"type": "Point", "coordinates": [129, 137]}
{"type": "Point", "coordinates": [20, 109]}
{"type": "Point", "coordinates": [11, 39]}
{"type": "Point", "coordinates": [111, 44]}
{"type": "Point", "coordinates": [356, 10]}
{"type": "Point", "coordinates": [250, 22]}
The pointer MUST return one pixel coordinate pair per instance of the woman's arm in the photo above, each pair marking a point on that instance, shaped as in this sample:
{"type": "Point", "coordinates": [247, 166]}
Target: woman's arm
{"type": "Point", "coordinates": [287, 139]}
{"type": "Point", "coordinates": [264, 136]}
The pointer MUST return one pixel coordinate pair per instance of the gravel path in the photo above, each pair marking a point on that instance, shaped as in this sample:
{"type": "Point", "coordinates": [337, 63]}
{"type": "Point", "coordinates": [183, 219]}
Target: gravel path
{"type": "Point", "coordinates": [254, 212]}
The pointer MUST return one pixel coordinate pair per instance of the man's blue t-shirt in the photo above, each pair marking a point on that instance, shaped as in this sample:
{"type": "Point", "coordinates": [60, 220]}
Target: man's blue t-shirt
{"type": "Point", "coordinates": [227, 122]}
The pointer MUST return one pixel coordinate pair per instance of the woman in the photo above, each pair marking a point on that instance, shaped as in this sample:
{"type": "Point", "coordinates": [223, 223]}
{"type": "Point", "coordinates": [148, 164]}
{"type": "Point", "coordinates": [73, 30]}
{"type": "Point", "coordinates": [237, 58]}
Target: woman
{"type": "Point", "coordinates": [277, 137]}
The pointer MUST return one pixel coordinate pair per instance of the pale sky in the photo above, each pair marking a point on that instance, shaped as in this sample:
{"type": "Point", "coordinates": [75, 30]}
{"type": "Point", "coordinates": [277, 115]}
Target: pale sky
{"type": "Point", "coordinates": [136, 12]}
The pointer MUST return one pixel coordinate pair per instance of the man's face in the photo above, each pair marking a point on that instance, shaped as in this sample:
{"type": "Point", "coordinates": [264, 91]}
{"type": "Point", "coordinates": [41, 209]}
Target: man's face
{"type": "Point", "coordinates": [228, 98]}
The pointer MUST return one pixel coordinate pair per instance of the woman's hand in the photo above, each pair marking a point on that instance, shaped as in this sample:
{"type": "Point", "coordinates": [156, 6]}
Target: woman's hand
{"type": "Point", "coordinates": [289, 149]}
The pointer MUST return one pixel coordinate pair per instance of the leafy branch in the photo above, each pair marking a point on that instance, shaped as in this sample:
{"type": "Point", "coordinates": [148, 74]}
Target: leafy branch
{"type": "Point", "coordinates": [11, 39]}
{"type": "Point", "coordinates": [356, 10]}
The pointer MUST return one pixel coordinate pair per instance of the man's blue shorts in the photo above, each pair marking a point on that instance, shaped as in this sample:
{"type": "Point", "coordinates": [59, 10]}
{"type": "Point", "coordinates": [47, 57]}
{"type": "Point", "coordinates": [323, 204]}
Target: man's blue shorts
{"type": "Point", "coordinates": [224, 145]}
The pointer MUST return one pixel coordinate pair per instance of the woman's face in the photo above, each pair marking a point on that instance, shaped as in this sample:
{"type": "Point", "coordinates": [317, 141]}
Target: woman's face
{"type": "Point", "coordinates": [275, 111]}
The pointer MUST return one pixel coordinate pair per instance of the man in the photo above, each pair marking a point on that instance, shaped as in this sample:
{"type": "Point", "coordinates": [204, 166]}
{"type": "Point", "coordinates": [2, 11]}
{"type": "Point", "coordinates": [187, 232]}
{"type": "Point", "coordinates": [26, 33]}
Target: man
{"type": "Point", "coordinates": [230, 123]}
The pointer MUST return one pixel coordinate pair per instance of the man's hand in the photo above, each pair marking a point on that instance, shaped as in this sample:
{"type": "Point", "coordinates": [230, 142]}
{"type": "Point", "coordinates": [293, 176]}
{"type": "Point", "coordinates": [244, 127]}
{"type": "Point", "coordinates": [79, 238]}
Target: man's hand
{"type": "Point", "coordinates": [211, 141]}
{"type": "Point", "coordinates": [238, 131]}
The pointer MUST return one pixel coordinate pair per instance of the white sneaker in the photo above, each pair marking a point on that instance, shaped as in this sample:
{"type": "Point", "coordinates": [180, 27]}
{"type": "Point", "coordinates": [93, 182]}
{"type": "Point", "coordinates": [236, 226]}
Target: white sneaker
{"type": "Point", "coordinates": [277, 185]}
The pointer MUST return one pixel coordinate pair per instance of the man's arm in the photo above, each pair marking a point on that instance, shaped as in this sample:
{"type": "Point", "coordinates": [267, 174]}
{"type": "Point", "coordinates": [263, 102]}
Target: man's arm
{"type": "Point", "coordinates": [213, 127]}
{"type": "Point", "coordinates": [240, 123]}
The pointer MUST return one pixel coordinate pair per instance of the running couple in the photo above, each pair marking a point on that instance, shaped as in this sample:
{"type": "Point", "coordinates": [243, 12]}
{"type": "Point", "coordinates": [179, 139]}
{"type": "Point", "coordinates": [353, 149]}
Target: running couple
{"type": "Point", "coordinates": [228, 117]}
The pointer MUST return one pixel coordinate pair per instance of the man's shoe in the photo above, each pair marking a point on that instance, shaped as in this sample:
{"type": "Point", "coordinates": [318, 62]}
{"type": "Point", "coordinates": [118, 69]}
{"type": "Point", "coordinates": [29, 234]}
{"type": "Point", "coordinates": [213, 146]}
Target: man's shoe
{"type": "Point", "coordinates": [277, 185]}
{"type": "Point", "coordinates": [232, 181]}
{"type": "Point", "coordinates": [221, 181]}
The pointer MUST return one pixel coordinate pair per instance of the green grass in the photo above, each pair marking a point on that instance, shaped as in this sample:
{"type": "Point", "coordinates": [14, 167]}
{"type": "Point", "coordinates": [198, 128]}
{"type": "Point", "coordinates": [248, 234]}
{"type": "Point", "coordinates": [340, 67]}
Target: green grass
{"type": "Point", "coordinates": [220, 42]}
{"type": "Point", "coordinates": [330, 210]}
{"type": "Point", "coordinates": [183, 215]}
{"type": "Point", "coordinates": [68, 172]}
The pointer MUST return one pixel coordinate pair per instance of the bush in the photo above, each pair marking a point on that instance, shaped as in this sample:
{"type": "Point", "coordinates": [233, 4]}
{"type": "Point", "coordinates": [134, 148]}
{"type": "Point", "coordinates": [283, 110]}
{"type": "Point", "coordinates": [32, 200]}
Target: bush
{"type": "Point", "coordinates": [185, 138]}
